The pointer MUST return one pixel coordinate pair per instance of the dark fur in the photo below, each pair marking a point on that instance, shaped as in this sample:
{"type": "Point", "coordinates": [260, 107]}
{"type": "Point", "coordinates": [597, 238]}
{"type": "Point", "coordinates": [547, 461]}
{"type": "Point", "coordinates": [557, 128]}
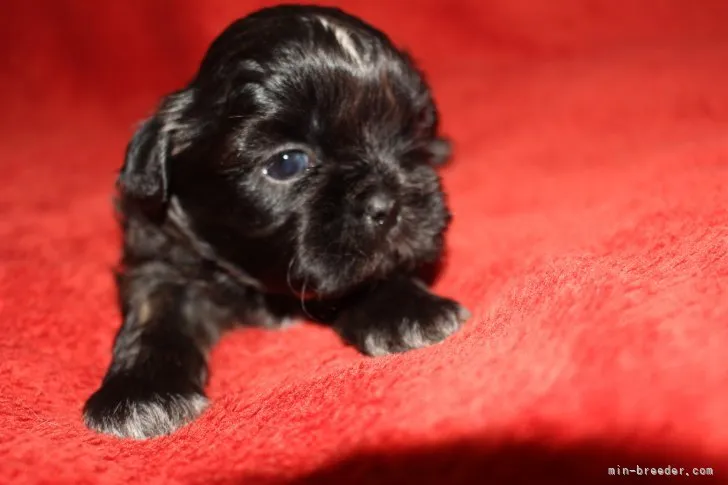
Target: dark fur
{"type": "Point", "coordinates": [210, 241]}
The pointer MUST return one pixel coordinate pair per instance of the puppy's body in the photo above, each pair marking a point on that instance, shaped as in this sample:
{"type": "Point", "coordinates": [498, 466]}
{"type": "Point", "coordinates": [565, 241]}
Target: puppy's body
{"type": "Point", "coordinates": [295, 172]}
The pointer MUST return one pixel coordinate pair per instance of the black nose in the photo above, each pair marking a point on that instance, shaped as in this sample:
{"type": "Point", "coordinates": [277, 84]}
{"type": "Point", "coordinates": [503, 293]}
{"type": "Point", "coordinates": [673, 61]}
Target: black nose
{"type": "Point", "coordinates": [380, 209]}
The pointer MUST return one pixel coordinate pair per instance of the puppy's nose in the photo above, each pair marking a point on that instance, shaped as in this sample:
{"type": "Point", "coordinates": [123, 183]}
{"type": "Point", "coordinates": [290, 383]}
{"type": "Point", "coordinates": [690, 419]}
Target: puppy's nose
{"type": "Point", "coordinates": [380, 209]}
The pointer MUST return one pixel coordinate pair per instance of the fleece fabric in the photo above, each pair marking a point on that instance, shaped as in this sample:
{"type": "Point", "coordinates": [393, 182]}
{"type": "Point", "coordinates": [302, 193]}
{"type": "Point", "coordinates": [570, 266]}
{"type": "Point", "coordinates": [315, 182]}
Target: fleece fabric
{"type": "Point", "coordinates": [590, 242]}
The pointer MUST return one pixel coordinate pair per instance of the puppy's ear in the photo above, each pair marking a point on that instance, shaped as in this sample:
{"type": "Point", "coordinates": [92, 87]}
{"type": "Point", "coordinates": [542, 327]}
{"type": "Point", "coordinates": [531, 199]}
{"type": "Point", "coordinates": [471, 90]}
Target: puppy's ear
{"type": "Point", "coordinates": [440, 151]}
{"type": "Point", "coordinates": [143, 181]}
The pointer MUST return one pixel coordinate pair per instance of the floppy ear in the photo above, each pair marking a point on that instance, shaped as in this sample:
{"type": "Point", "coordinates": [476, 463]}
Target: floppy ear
{"type": "Point", "coordinates": [440, 151]}
{"type": "Point", "coordinates": [143, 181]}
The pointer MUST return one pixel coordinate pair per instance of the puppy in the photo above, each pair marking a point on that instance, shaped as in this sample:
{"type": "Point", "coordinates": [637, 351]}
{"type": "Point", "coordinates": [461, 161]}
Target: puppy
{"type": "Point", "coordinates": [296, 171]}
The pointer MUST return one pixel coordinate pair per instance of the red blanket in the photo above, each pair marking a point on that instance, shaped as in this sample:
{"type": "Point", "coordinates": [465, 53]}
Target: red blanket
{"type": "Point", "coordinates": [590, 240]}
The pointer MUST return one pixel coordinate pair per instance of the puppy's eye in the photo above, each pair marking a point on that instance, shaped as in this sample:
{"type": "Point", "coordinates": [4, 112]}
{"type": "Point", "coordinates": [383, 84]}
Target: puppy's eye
{"type": "Point", "coordinates": [286, 165]}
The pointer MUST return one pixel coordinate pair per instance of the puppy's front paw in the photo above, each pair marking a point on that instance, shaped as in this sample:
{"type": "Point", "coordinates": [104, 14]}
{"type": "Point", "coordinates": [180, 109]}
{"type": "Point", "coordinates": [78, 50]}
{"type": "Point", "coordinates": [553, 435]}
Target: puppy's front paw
{"type": "Point", "coordinates": [401, 320]}
{"type": "Point", "coordinates": [128, 407]}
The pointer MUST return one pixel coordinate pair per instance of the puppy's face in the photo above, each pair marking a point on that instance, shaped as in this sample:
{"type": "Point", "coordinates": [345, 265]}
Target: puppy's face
{"type": "Point", "coordinates": [303, 152]}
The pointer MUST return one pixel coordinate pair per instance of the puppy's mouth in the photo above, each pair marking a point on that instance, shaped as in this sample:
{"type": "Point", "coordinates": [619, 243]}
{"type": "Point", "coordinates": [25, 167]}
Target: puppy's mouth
{"type": "Point", "coordinates": [303, 290]}
{"type": "Point", "coordinates": [332, 274]}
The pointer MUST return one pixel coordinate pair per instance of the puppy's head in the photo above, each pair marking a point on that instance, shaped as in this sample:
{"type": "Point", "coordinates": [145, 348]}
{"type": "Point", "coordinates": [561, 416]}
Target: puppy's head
{"type": "Point", "coordinates": [303, 151]}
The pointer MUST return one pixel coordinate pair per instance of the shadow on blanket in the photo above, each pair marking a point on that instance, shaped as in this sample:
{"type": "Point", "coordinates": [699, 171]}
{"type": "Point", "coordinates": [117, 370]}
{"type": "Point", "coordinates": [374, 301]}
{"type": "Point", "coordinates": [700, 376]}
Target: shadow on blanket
{"type": "Point", "coordinates": [508, 464]}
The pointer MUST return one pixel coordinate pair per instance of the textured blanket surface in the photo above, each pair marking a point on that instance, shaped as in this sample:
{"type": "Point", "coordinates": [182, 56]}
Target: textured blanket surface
{"type": "Point", "coordinates": [590, 242]}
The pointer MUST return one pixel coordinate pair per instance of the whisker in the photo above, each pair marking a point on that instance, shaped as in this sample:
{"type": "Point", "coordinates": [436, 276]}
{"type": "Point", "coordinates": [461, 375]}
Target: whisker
{"type": "Point", "coordinates": [288, 274]}
{"type": "Point", "coordinates": [303, 300]}
{"type": "Point", "coordinates": [303, 288]}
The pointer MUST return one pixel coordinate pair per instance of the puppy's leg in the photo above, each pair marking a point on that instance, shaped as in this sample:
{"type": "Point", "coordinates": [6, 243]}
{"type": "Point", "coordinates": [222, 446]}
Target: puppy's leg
{"type": "Point", "coordinates": [399, 315]}
{"type": "Point", "coordinates": [158, 370]}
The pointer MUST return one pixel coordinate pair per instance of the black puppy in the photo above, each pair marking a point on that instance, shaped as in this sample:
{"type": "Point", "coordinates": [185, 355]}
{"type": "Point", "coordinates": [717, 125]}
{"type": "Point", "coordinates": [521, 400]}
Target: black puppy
{"type": "Point", "coordinates": [295, 171]}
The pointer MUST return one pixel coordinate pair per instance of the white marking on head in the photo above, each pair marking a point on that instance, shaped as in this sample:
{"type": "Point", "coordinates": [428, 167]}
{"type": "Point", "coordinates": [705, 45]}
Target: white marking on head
{"type": "Point", "coordinates": [345, 41]}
